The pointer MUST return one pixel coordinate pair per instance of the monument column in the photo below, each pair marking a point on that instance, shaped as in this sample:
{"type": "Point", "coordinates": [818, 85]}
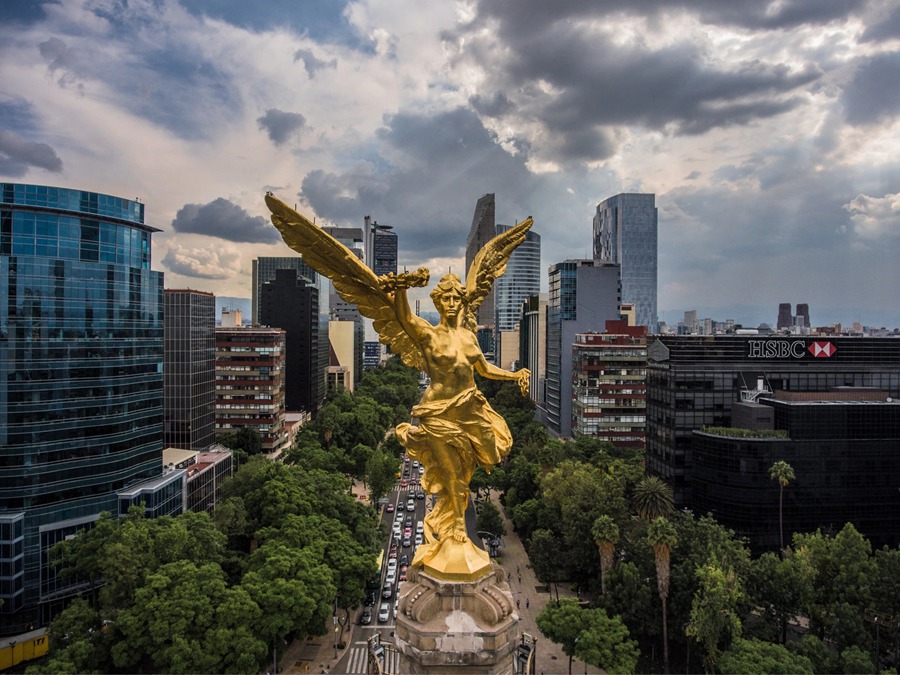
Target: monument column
{"type": "Point", "coordinates": [445, 625]}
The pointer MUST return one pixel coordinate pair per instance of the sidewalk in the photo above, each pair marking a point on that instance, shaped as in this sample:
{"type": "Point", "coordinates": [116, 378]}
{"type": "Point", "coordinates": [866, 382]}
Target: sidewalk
{"type": "Point", "coordinates": [532, 598]}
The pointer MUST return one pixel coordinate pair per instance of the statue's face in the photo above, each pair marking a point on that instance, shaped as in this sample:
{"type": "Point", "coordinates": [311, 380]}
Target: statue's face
{"type": "Point", "coordinates": [449, 303]}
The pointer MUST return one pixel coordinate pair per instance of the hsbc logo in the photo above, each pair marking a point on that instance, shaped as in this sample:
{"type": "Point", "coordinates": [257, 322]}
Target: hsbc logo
{"type": "Point", "coordinates": [822, 350]}
{"type": "Point", "coordinates": [788, 349]}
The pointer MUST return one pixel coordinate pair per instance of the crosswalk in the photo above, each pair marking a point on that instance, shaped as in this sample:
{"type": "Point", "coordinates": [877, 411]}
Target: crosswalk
{"type": "Point", "coordinates": [356, 663]}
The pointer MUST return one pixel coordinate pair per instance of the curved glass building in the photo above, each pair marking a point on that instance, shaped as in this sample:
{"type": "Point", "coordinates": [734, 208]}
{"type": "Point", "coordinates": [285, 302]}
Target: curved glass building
{"type": "Point", "coordinates": [81, 354]}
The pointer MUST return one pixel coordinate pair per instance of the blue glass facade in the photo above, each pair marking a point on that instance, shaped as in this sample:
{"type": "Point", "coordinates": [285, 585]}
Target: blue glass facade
{"type": "Point", "coordinates": [81, 354]}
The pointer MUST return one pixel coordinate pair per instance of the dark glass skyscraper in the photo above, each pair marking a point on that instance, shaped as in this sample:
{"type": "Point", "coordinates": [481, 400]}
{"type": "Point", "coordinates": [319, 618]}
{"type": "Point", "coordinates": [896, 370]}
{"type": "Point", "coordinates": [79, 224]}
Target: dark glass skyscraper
{"type": "Point", "coordinates": [189, 372]}
{"type": "Point", "coordinates": [482, 231]}
{"type": "Point", "coordinates": [81, 355]}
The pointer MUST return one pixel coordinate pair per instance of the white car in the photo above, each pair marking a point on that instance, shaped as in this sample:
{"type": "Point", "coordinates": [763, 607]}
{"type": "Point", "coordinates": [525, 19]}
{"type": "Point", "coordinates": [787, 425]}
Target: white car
{"type": "Point", "coordinates": [384, 613]}
{"type": "Point", "coordinates": [392, 565]}
{"type": "Point", "coordinates": [419, 539]}
{"type": "Point", "coordinates": [411, 505]}
{"type": "Point", "coordinates": [420, 527]}
{"type": "Point", "coordinates": [391, 578]}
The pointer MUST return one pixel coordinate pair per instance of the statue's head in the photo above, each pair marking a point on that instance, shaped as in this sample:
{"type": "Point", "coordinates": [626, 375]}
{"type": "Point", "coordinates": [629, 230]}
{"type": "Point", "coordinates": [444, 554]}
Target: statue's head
{"type": "Point", "coordinates": [449, 287]}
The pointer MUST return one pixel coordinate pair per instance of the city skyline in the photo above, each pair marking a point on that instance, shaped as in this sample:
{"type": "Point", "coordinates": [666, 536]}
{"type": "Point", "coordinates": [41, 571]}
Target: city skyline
{"type": "Point", "coordinates": [767, 132]}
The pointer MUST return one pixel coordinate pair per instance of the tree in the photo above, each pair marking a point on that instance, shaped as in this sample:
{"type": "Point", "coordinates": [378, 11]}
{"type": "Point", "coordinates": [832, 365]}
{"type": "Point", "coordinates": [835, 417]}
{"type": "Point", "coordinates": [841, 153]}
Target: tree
{"type": "Point", "coordinates": [652, 499]}
{"type": "Point", "coordinates": [547, 557]}
{"type": "Point", "coordinates": [662, 537]}
{"type": "Point", "coordinates": [783, 473]}
{"type": "Point", "coordinates": [488, 518]}
{"type": "Point", "coordinates": [187, 620]}
{"type": "Point", "coordinates": [589, 634]}
{"type": "Point", "coordinates": [714, 620]}
{"type": "Point", "coordinates": [606, 536]}
{"type": "Point", "coordinates": [605, 642]}
{"type": "Point", "coordinates": [756, 657]}
{"type": "Point", "coordinates": [381, 469]}
{"type": "Point", "coordinates": [782, 587]}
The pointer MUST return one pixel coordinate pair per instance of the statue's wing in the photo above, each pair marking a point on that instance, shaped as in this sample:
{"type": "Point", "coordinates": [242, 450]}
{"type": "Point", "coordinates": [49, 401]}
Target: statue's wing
{"type": "Point", "coordinates": [352, 280]}
{"type": "Point", "coordinates": [489, 264]}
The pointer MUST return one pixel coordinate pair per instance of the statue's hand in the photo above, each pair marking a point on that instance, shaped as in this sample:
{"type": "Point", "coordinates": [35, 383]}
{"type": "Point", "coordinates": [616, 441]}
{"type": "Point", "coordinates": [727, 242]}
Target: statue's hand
{"type": "Point", "coordinates": [522, 377]}
{"type": "Point", "coordinates": [391, 282]}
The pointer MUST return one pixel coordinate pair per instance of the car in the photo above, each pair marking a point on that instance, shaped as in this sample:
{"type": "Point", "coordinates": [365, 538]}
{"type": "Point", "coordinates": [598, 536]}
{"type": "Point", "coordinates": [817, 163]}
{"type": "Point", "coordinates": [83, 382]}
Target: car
{"type": "Point", "coordinates": [395, 539]}
{"type": "Point", "coordinates": [404, 560]}
{"type": "Point", "coordinates": [402, 576]}
{"type": "Point", "coordinates": [415, 464]}
{"type": "Point", "coordinates": [399, 517]}
{"type": "Point", "coordinates": [421, 470]}
{"type": "Point", "coordinates": [407, 542]}
{"type": "Point", "coordinates": [406, 460]}
{"type": "Point", "coordinates": [389, 508]}
{"type": "Point", "coordinates": [420, 527]}
{"type": "Point", "coordinates": [419, 540]}
{"type": "Point", "coordinates": [387, 591]}
{"type": "Point", "coordinates": [370, 598]}
{"type": "Point", "coordinates": [411, 505]}
{"type": "Point", "coordinates": [396, 529]}
{"type": "Point", "coordinates": [384, 613]}
{"type": "Point", "coordinates": [396, 604]}
{"type": "Point", "coordinates": [391, 565]}
{"type": "Point", "coordinates": [407, 522]}
{"type": "Point", "coordinates": [403, 484]}
{"type": "Point", "coordinates": [393, 551]}
{"type": "Point", "coordinates": [366, 617]}
{"type": "Point", "coordinates": [420, 495]}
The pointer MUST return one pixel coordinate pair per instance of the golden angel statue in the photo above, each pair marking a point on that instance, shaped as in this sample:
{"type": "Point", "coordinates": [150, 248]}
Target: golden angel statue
{"type": "Point", "coordinates": [457, 429]}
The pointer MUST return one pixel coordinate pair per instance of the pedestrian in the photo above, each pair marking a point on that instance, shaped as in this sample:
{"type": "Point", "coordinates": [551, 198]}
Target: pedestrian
{"type": "Point", "coordinates": [517, 603]}
{"type": "Point", "coordinates": [527, 603]}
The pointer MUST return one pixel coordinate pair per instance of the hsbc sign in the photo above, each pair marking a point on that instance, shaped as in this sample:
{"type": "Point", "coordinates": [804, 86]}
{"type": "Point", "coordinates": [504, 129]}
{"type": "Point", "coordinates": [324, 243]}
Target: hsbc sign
{"type": "Point", "coordinates": [789, 349]}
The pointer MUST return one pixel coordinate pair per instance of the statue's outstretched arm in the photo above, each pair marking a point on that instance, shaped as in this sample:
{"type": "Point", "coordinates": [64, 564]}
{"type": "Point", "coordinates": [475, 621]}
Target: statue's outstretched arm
{"type": "Point", "coordinates": [492, 372]}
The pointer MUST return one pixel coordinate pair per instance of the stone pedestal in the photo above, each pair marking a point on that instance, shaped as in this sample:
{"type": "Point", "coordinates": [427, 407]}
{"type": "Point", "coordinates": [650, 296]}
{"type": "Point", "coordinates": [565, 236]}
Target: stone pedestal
{"type": "Point", "coordinates": [456, 626]}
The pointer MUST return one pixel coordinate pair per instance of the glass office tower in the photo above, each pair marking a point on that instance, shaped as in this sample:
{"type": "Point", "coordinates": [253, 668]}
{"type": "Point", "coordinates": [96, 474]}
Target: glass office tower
{"type": "Point", "coordinates": [81, 354]}
{"type": "Point", "coordinates": [625, 232]}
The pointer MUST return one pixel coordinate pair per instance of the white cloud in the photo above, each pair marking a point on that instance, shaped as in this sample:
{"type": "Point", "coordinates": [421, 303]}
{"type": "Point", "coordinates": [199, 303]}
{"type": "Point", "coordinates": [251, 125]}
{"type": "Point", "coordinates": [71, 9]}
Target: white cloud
{"type": "Point", "coordinates": [875, 218]}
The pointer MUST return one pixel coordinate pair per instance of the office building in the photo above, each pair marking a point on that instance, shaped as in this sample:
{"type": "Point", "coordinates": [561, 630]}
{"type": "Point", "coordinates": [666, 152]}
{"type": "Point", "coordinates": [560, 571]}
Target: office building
{"type": "Point", "coordinates": [694, 381]}
{"type": "Point", "coordinates": [206, 473]}
{"type": "Point", "coordinates": [482, 231]}
{"type": "Point", "coordinates": [803, 314]}
{"type": "Point", "coordinates": [81, 381]}
{"type": "Point", "coordinates": [609, 401]}
{"type": "Point", "coordinates": [625, 233]}
{"type": "Point", "coordinates": [521, 280]}
{"type": "Point", "coordinates": [265, 269]}
{"type": "Point", "coordinates": [231, 318]}
{"type": "Point", "coordinates": [785, 318]}
{"type": "Point", "coordinates": [250, 383]}
{"type": "Point", "coordinates": [583, 296]}
{"type": "Point", "coordinates": [340, 310]}
{"type": "Point", "coordinates": [289, 302]}
{"type": "Point", "coordinates": [342, 363]}
{"type": "Point", "coordinates": [189, 369]}
{"type": "Point", "coordinates": [380, 247]}
{"type": "Point", "coordinates": [533, 344]}
{"type": "Point", "coordinates": [843, 447]}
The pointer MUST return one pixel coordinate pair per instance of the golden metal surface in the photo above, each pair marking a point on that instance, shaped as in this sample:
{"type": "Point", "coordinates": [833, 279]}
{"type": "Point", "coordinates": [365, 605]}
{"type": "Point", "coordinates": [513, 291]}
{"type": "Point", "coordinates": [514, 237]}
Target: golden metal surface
{"type": "Point", "coordinates": [457, 429]}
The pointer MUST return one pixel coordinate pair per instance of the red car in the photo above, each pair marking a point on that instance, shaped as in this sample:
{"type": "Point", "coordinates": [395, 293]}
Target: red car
{"type": "Point", "coordinates": [389, 508]}
{"type": "Point", "coordinates": [407, 532]}
{"type": "Point", "coordinates": [402, 483]}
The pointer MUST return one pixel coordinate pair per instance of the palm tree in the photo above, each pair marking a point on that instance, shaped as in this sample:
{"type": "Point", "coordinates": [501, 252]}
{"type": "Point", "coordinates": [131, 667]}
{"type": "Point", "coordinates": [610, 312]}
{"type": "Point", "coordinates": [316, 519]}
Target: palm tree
{"type": "Point", "coordinates": [652, 498]}
{"type": "Point", "coordinates": [784, 474]}
{"type": "Point", "coordinates": [606, 535]}
{"type": "Point", "coordinates": [662, 537]}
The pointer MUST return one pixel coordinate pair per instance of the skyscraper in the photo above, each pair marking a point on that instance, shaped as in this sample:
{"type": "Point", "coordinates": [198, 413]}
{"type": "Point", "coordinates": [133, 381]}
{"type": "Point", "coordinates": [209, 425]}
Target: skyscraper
{"type": "Point", "coordinates": [189, 369]}
{"type": "Point", "coordinates": [265, 269]}
{"type": "Point", "coordinates": [785, 318]}
{"type": "Point", "coordinates": [81, 382]}
{"type": "Point", "coordinates": [521, 280]}
{"type": "Point", "coordinates": [584, 295]}
{"type": "Point", "coordinates": [289, 302]}
{"type": "Point", "coordinates": [482, 231]}
{"type": "Point", "coordinates": [380, 246]}
{"type": "Point", "coordinates": [803, 312]}
{"type": "Point", "coordinates": [625, 233]}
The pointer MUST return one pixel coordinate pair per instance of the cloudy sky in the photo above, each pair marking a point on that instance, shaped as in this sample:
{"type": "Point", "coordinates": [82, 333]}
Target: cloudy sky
{"type": "Point", "coordinates": [768, 131]}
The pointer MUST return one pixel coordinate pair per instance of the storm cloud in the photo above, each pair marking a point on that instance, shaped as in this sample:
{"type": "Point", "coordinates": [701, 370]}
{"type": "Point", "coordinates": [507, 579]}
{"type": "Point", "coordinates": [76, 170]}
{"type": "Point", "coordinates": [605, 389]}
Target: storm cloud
{"type": "Point", "coordinates": [225, 220]}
